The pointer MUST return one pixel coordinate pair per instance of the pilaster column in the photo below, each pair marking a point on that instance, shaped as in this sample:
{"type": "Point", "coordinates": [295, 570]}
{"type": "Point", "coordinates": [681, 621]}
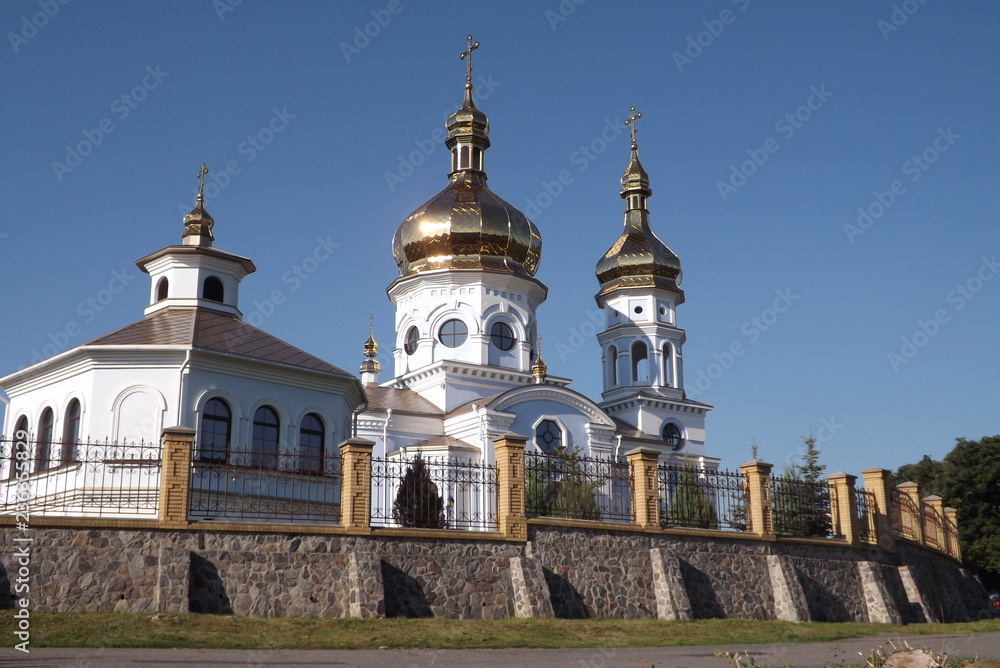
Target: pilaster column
{"type": "Point", "coordinates": [758, 475]}
{"type": "Point", "coordinates": [951, 533]}
{"type": "Point", "coordinates": [879, 518]}
{"type": "Point", "coordinates": [356, 483]}
{"type": "Point", "coordinates": [642, 464]}
{"type": "Point", "coordinates": [911, 510]}
{"type": "Point", "coordinates": [843, 506]}
{"type": "Point", "coordinates": [511, 520]}
{"type": "Point", "coordinates": [934, 516]}
{"type": "Point", "coordinates": [175, 476]}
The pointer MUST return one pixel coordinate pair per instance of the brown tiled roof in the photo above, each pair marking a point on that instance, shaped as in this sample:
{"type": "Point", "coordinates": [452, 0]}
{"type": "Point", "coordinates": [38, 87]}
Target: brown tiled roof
{"type": "Point", "coordinates": [440, 442]}
{"type": "Point", "coordinates": [482, 401]}
{"type": "Point", "coordinates": [203, 329]}
{"type": "Point", "coordinates": [401, 401]}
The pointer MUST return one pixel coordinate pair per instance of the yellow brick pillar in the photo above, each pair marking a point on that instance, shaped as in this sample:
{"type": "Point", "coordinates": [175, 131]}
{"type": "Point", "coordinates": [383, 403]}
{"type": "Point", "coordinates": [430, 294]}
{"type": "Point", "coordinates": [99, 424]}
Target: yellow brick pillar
{"type": "Point", "coordinates": [843, 506]}
{"type": "Point", "coordinates": [758, 476]}
{"type": "Point", "coordinates": [951, 531]}
{"type": "Point", "coordinates": [175, 476]}
{"type": "Point", "coordinates": [913, 516]}
{"type": "Point", "coordinates": [879, 518]}
{"type": "Point", "coordinates": [511, 519]}
{"type": "Point", "coordinates": [642, 464]}
{"type": "Point", "coordinates": [356, 483]}
{"type": "Point", "coordinates": [934, 522]}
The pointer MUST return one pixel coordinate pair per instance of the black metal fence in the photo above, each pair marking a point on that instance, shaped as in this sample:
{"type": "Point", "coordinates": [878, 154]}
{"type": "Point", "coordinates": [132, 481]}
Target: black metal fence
{"type": "Point", "coordinates": [703, 499]}
{"type": "Point", "coordinates": [250, 485]}
{"type": "Point", "coordinates": [584, 488]}
{"type": "Point", "coordinates": [433, 493]}
{"type": "Point", "coordinates": [934, 528]}
{"type": "Point", "coordinates": [79, 478]}
{"type": "Point", "coordinates": [801, 508]}
{"type": "Point", "coordinates": [904, 513]}
{"type": "Point", "coordinates": [867, 509]}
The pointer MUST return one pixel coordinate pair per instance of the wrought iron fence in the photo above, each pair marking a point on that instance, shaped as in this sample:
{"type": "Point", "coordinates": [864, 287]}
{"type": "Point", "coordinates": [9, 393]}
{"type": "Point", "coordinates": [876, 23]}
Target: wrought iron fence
{"type": "Point", "coordinates": [79, 478]}
{"type": "Point", "coordinates": [933, 528]}
{"type": "Point", "coordinates": [801, 508]}
{"type": "Point", "coordinates": [950, 535]}
{"type": "Point", "coordinates": [575, 487]}
{"type": "Point", "coordinates": [703, 499]}
{"type": "Point", "coordinates": [905, 514]}
{"type": "Point", "coordinates": [433, 493]}
{"type": "Point", "coordinates": [250, 485]}
{"type": "Point", "coordinates": [866, 509]}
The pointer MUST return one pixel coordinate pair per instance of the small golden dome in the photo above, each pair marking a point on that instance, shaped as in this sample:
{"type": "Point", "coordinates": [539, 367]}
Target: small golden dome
{"type": "Point", "coordinates": [197, 222]}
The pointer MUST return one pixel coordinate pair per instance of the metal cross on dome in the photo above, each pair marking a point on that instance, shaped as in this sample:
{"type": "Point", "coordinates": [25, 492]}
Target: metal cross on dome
{"type": "Point", "coordinates": [633, 117]}
{"type": "Point", "coordinates": [201, 178]}
{"type": "Point", "coordinates": [467, 56]}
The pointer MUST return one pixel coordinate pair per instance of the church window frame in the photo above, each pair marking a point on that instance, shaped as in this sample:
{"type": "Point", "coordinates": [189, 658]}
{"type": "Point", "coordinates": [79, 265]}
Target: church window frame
{"type": "Point", "coordinates": [412, 340]}
{"type": "Point", "coordinates": [668, 364]}
{"type": "Point", "coordinates": [71, 431]}
{"type": "Point", "coordinates": [453, 333]}
{"type": "Point", "coordinates": [43, 444]}
{"type": "Point", "coordinates": [162, 289]}
{"type": "Point", "coordinates": [613, 365]}
{"type": "Point", "coordinates": [312, 444]}
{"type": "Point", "coordinates": [216, 421]}
{"type": "Point", "coordinates": [213, 290]}
{"type": "Point", "coordinates": [265, 439]}
{"type": "Point", "coordinates": [549, 435]}
{"type": "Point", "coordinates": [673, 435]}
{"type": "Point", "coordinates": [639, 352]}
{"type": "Point", "coordinates": [502, 336]}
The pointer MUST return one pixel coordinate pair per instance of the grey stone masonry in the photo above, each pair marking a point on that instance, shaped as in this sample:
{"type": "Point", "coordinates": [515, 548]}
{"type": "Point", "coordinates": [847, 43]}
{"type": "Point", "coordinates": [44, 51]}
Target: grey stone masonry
{"type": "Point", "coordinates": [881, 609]}
{"type": "Point", "coordinates": [790, 603]}
{"type": "Point", "coordinates": [174, 567]}
{"type": "Point", "coordinates": [367, 593]}
{"type": "Point", "coordinates": [531, 593]}
{"type": "Point", "coordinates": [913, 597]}
{"type": "Point", "coordinates": [672, 600]}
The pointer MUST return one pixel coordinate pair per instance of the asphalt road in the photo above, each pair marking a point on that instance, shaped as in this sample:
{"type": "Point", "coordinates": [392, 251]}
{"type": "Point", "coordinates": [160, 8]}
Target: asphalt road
{"type": "Point", "coordinates": [799, 655]}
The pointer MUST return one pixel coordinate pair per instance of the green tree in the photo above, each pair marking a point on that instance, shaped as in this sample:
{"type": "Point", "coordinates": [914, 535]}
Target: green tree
{"type": "Point", "coordinates": [557, 486]}
{"type": "Point", "coordinates": [801, 502]}
{"type": "Point", "coordinates": [418, 503]}
{"type": "Point", "coordinates": [690, 505]}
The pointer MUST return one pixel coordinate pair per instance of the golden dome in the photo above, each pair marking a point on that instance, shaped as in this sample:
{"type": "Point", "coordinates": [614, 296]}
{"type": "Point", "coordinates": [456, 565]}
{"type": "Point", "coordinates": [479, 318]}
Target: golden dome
{"type": "Point", "coordinates": [466, 225]}
{"type": "Point", "coordinates": [638, 258]}
{"type": "Point", "coordinates": [197, 222]}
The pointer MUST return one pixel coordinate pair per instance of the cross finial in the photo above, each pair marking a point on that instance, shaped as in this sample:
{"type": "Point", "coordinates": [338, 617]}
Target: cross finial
{"type": "Point", "coordinates": [538, 344]}
{"type": "Point", "coordinates": [371, 323]}
{"type": "Point", "coordinates": [467, 57]}
{"type": "Point", "coordinates": [201, 178]}
{"type": "Point", "coordinates": [633, 117]}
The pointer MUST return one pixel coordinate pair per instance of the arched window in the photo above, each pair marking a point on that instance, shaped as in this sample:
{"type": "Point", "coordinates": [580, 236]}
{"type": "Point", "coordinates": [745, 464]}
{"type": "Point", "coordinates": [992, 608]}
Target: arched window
{"type": "Point", "coordinates": [18, 444]}
{"type": "Point", "coordinates": [162, 288]}
{"type": "Point", "coordinates": [612, 366]}
{"type": "Point", "coordinates": [311, 442]}
{"type": "Point", "coordinates": [71, 432]}
{"type": "Point", "coordinates": [502, 336]}
{"type": "Point", "coordinates": [412, 338]}
{"type": "Point", "coordinates": [264, 445]}
{"type": "Point", "coordinates": [212, 290]}
{"type": "Point", "coordinates": [43, 445]}
{"type": "Point", "coordinates": [640, 362]}
{"type": "Point", "coordinates": [668, 365]}
{"type": "Point", "coordinates": [672, 436]}
{"type": "Point", "coordinates": [216, 427]}
{"type": "Point", "coordinates": [453, 333]}
{"type": "Point", "coordinates": [548, 436]}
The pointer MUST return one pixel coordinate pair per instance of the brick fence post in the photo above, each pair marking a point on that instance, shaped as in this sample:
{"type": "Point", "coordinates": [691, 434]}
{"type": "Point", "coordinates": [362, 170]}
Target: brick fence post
{"type": "Point", "coordinates": [642, 464]}
{"type": "Point", "coordinates": [934, 514]}
{"type": "Point", "coordinates": [880, 517]}
{"type": "Point", "coordinates": [843, 506]}
{"type": "Point", "coordinates": [912, 511]}
{"type": "Point", "coordinates": [175, 476]}
{"type": "Point", "coordinates": [511, 520]}
{"type": "Point", "coordinates": [951, 532]}
{"type": "Point", "coordinates": [356, 483]}
{"type": "Point", "coordinates": [758, 476]}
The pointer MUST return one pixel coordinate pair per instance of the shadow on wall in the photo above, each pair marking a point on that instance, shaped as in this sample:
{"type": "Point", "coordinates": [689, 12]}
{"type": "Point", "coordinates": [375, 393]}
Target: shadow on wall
{"type": "Point", "coordinates": [206, 591]}
{"type": "Point", "coordinates": [6, 597]}
{"type": "Point", "coordinates": [705, 602]}
{"type": "Point", "coordinates": [823, 605]}
{"type": "Point", "coordinates": [404, 594]}
{"type": "Point", "coordinates": [567, 602]}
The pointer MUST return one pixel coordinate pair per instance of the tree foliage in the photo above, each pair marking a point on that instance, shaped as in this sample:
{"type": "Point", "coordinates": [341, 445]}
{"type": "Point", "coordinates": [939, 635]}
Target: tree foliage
{"type": "Point", "coordinates": [417, 502]}
{"type": "Point", "coordinates": [690, 505]}
{"type": "Point", "coordinates": [968, 480]}
{"type": "Point", "coordinates": [801, 502]}
{"type": "Point", "coordinates": [557, 486]}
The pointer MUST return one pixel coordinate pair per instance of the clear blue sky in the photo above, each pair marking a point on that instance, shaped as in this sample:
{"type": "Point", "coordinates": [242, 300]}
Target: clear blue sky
{"type": "Point", "coordinates": [868, 86]}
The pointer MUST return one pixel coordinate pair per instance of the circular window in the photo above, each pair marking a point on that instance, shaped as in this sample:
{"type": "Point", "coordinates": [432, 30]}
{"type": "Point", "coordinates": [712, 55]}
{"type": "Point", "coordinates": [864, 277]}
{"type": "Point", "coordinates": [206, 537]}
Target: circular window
{"type": "Point", "coordinates": [410, 345]}
{"type": "Point", "coordinates": [663, 310]}
{"type": "Point", "coordinates": [453, 333]}
{"type": "Point", "coordinates": [502, 336]}
{"type": "Point", "coordinates": [672, 435]}
{"type": "Point", "coordinates": [637, 309]}
{"type": "Point", "coordinates": [548, 436]}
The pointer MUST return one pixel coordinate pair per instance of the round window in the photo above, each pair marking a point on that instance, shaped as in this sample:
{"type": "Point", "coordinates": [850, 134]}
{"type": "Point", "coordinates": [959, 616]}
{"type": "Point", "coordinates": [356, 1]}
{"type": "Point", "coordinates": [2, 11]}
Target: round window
{"type": "Point", "coordinates": [410, 345]}
{"type": "Point", "coordinates": [548, 436]}
{"type": "Point", "coordinates": [502, 336]}
{"type": "Point", "coordinates": [637, 309]}
{"type": "Point", "coordinates": [672, 435]}
{"type": "Point", "coordinates": [663, 310]}
{"type": "Point", "coordinates": [453, 333]}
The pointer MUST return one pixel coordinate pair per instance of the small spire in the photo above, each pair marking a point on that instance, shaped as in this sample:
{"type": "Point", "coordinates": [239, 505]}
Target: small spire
{"type": "Point", "coordinates": [198, 223]}
{"type": "Point", "coordinates": [539, 369]}
{"type": "Point", "coordinates": [635, 180]}
{"type": "Point", "coordinates": [632, 118]}
{"type": "Point", "coordinates": [370, 367]}
{"type": "Point", "coordinates": [467, 128]}
{"type": "Point", "coordinates": [467, 57]}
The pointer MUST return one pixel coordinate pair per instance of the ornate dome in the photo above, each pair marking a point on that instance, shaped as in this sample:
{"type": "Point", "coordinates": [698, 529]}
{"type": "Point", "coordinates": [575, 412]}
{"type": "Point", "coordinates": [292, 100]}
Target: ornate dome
{"type": "Point", "coordinates": [466, 225]}
{"type": "Point", "coordinates": [638, 258]}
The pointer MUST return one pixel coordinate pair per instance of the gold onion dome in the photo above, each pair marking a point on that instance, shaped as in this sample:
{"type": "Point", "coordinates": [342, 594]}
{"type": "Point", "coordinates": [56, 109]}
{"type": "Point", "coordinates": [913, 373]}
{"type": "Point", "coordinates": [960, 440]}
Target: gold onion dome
{"type": "Point", "coordinates": [638, 258]}
{"type": "Point", "coordinates": [466, 225]}
{"type": "Point", "coordinates": [198, 222]}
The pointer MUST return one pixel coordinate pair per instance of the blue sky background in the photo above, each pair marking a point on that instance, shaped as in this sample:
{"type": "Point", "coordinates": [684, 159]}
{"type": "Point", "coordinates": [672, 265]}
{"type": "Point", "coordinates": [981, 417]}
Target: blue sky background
{"type": "Point", "coordinates": [551, 80]}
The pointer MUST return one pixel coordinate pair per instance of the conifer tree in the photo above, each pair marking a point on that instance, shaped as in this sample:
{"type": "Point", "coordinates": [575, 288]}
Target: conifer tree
{"type": "Point", "coordinates": [418, 503]}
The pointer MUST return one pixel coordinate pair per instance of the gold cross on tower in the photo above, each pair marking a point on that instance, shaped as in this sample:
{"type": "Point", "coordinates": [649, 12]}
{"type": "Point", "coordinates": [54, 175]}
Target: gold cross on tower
{"type": "Point", "coordinates": [467, 56]}
{"type": "Point", "coordinates": [201, 178]}
{"type": "Point", "coordinates": [633, 117]}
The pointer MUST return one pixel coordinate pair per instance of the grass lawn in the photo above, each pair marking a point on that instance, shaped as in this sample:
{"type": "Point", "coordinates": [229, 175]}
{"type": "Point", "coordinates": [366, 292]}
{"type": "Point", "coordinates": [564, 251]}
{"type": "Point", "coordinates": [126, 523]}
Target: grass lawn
{"type": "Point", "coordinates": [194, 630]}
